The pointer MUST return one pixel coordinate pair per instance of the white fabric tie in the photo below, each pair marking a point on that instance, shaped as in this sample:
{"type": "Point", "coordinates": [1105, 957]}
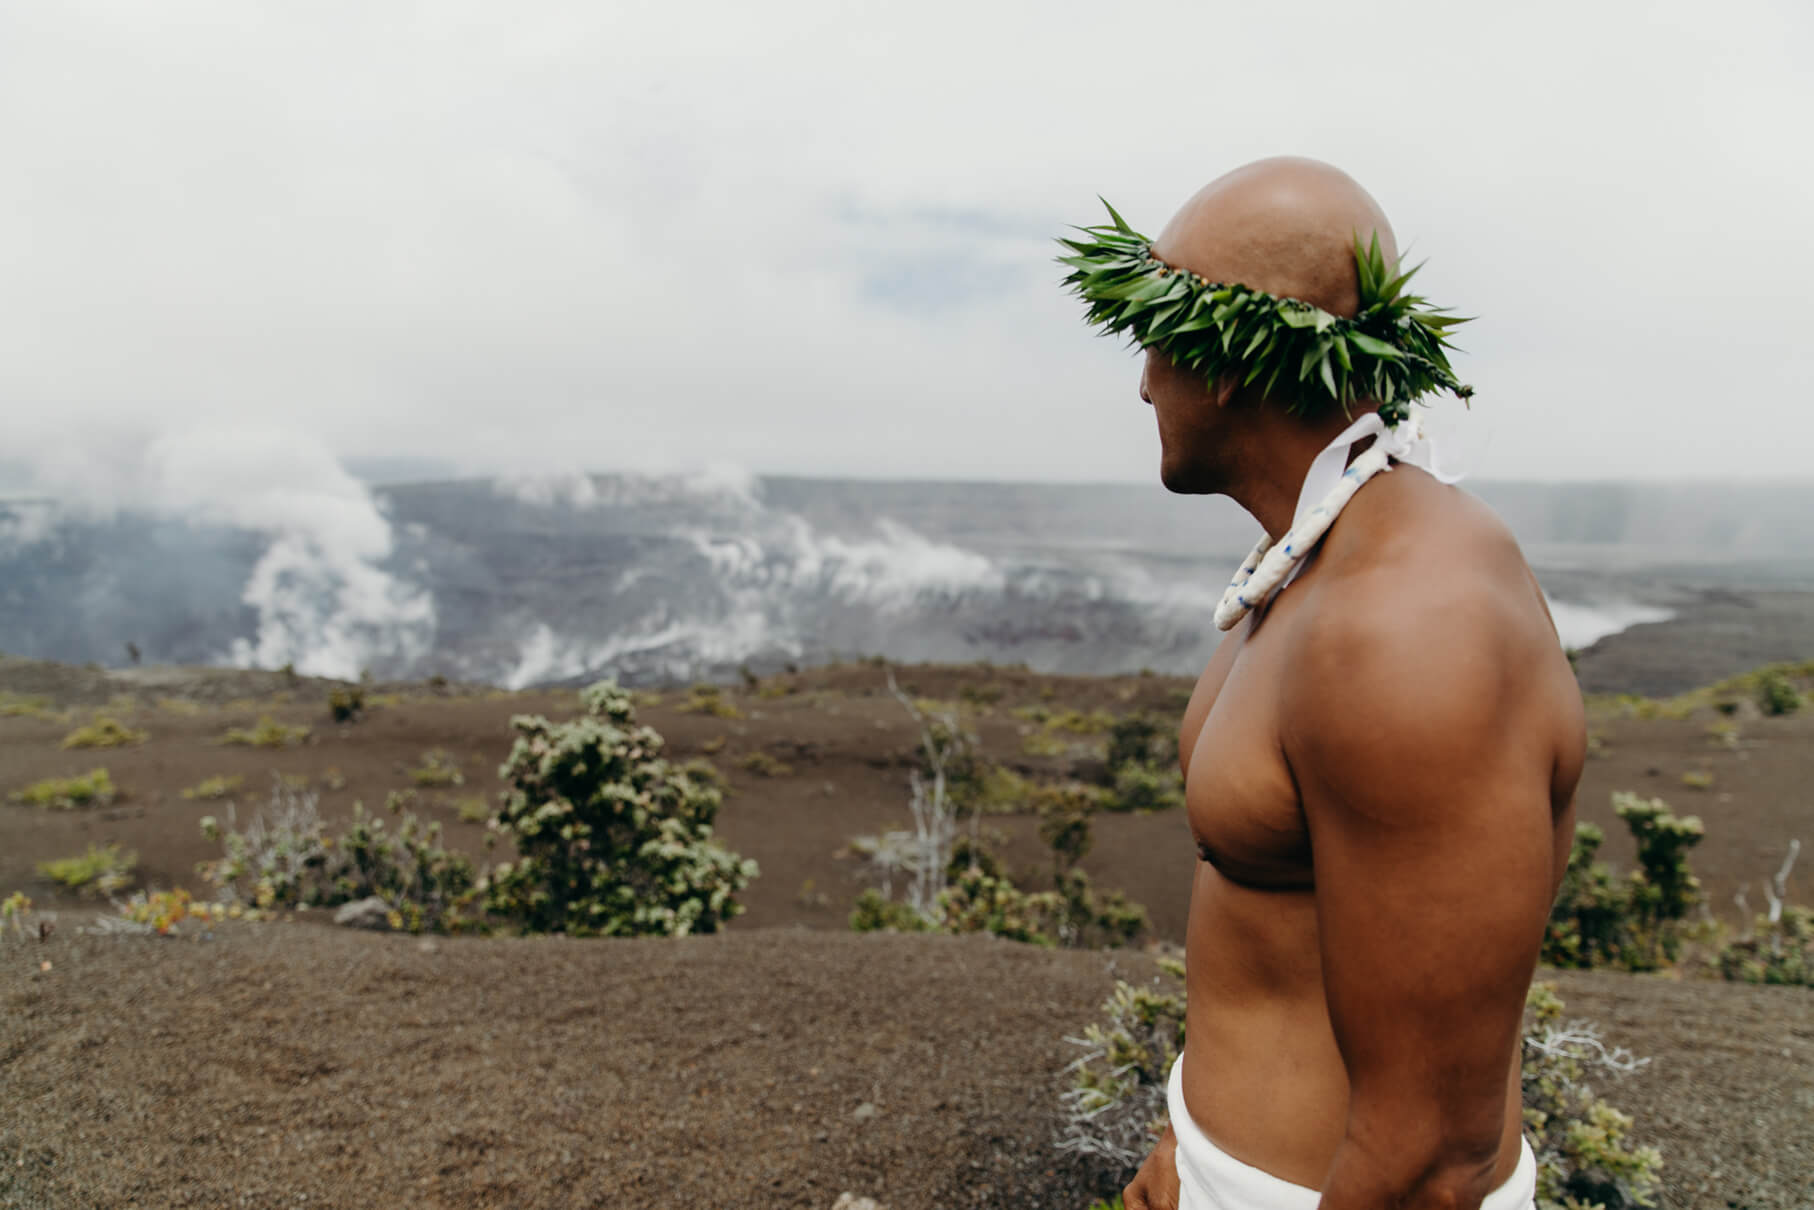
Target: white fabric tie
{"type": "Point", "coordinates": [1328, 486]}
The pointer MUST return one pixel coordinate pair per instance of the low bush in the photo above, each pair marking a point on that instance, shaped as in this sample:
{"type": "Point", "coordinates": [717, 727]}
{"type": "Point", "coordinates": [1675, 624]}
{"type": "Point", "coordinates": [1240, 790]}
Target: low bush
{"type": "Point", "coordinates": [708, 700]}
{"type": "Point", "coordinates": [438, 769]}
{"type": "Point", "coordinates": [1585, 1156]}
{"type": "Point", "coordinates": [611, 838]}
{"type": "Point", "coordinates": [105, 732]}
{"type": "Point", "coordinates": [20, 705]}
{"type": "Point", "coordinates": [1143, 788]}
{"type": "Point", "coordinates": [16, 918]}
{"type": "Point", "coordinates": [1779, 950]}
{"type": "Point", "coordinates": [346, 703]}
{"type": "Point", "coordinates": [268, 733]}
{"type": "Point", "coordinates": [92, 789]}
{"type": "Point", "coordinates": [1635, 922]}
{"type": "Point", "coordinates": [1114, 1108]}
{"type": "Point", "coordinates": [1776, 693]}
{"type": "Point", "coordinates": [474, 808]}
{"type": "Point", "coordinates": [161, 912]}
{"type": "Point", "coordinates": [99, 871]}
{"type": "Point", "coordinates": [286, 858]}
{"type": "Point", "coordinates": [1142, 739]}
{"type": "Point", "coordinates": [211, 788]}
{"type": "Point", "coordinates": [764, 765]}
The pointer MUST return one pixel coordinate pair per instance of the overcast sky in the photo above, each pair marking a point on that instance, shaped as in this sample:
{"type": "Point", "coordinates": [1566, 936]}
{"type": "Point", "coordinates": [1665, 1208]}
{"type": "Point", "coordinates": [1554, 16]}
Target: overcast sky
{"type": "Point", "coordinates": [816, 237]}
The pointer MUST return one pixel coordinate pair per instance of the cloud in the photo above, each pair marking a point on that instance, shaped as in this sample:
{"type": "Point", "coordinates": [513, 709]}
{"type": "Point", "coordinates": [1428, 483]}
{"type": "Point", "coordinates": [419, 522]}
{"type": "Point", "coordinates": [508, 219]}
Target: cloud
{"type": "Point", "coordinates": [812, 238]}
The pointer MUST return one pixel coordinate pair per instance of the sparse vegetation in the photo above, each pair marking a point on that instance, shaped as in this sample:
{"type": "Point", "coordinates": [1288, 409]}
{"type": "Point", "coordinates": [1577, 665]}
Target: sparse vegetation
{"type": "Point", "coordinates": [1115, 1108]}
{"type": "Point", "coordinates": [1780, 945]}
{"type": "Point", "coordinates": [708, 700]}
{"type": "Point", "coordinates": [208, 789]}
{"type": "Point", "coordinates": [105, 732]}
{"type": "Point", "coordinates": [1585, 1156]}
{"type": "Point", "coordinates": [611, 838]}
{"type": "Point", "coordinates": [955, 885]}
{"type": "Point", "coordinates": [18, 705]}
{"type": "Point", "coordinates": [346, 703]}
{"type": "Point", "coordinates": [1773, 688]}
{"type": "Point", "coordinates": [1698, 779]}
{"type": "Point", "coordinates": [764, 765]}
{"type": "Point", "coordinates": [1776, 693]}
{"type": "Point", "coordinates": [92, 789]}
{"type": "Point", "coordinates": [160, 912]}
{"type": "Point", "coordinates": [473, 809]}
{"type": "Point", "coordinates": [285, 858]}
{"type": "Point", "coordinates": [15, 915]}
{"type": "Point", "coordinates": [1632, 923]}
{"type": "Point", "coordinates": [268, 733]}
{"type": "Point", "coordinates": [438, 770]}
{"type": "Point", "coordinates": [99, 871]}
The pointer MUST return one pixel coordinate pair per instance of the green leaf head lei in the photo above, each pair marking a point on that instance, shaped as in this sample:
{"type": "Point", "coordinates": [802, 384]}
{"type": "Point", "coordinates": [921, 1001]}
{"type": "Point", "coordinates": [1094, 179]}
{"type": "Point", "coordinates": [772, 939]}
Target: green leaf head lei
{"type": "Point", "coordinates": [1391, 352]}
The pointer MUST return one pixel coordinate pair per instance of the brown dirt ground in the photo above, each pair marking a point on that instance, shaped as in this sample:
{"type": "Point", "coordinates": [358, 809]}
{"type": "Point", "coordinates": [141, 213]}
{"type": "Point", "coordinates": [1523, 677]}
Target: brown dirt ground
{"type": "Point", "coordinates": [286, 1064]}
{"type": "Point", "coordinates": [158, 1071]}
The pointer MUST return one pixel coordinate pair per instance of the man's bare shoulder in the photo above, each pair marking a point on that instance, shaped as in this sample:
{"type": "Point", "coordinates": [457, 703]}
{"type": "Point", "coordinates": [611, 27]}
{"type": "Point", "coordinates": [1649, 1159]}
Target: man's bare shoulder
{"type": "Point", "coordinates": [1425, 625]}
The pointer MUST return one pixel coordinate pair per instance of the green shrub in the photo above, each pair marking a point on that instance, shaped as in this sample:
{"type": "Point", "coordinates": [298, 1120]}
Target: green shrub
{"type": "Point", "coordinates": [1775, 951]}
{"type": "Point", "coordinates": [15, 914]}
{"type": "Point", "coordinates": [20, 705]}
{"type": "Point", "coordinates": [708, 700]}
{"type": "Point", "coordinates": [1141, 739]}
{"type": "Point", "coordinates": [210, 788]}
{"type": "Point", "coordinates": [1115, 1107]}
{"type": "Point", "coordinates": [92, 789]}
{"type": "Point", "coordinates": [1632, 923]}
{"type": "Point", "coordinates": [346, 703]}
{"type": "Point", "coordinates": [269, 733]}
{"type": "Point", "coordinates": [104, 732]}
{"type": "Point", "coordinates": [438, 769]}
{"type": "Point", "coordinates": [611, 838]}
{"type": "Point", "coordinates": [285, 858]}
{"type": "Point", "coordinates": [97, 872]}
{"type": "Point", "coordinates": [1584, 1154]}
{"type": "Point", "coordinates": [764, 765]}
{"type": "Point", "coordinates": [977, 901]}
{"type": "Point", "coordinates": [875, 912]}
{"type": "Point", "coordinates": [473, 809]}
{"type": "Point", "coordinates": [1776, 693]}
{"type": "Point", "coordinates": [1143, 788]}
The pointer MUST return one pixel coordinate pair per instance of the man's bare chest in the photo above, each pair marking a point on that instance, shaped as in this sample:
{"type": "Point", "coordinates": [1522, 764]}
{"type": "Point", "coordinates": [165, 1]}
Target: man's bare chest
{"type": "Point", "coordinates": [1243, 805]}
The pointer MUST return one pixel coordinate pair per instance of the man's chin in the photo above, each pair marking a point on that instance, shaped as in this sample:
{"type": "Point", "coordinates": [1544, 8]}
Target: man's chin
{"type": "Point", "coordinates": [1185, 479]}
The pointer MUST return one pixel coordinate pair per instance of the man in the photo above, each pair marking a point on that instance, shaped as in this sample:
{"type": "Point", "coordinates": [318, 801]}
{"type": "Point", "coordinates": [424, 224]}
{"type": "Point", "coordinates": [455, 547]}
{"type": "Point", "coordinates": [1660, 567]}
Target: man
{"type": "Point", "coordinates": [1380, 759]}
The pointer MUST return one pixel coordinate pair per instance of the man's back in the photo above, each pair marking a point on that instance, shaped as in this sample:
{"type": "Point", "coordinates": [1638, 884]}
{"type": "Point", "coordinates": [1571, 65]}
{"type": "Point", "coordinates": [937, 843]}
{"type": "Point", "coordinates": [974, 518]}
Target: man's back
{"type": "Point", "coordinates": [1416, 651]}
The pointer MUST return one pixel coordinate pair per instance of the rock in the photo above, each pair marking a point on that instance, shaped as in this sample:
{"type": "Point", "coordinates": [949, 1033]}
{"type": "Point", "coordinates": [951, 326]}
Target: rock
{"type": "Point", "coordinates": [865, 1111]}
{"type": "Point", "coordinates": [368, 913]}
{"type": "Point", "coordinates": [850, 1201]}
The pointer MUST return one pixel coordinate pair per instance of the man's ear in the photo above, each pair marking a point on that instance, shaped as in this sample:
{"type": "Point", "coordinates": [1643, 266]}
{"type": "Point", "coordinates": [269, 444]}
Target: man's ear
{"type": "Point", "coordinates": [1222, 390]}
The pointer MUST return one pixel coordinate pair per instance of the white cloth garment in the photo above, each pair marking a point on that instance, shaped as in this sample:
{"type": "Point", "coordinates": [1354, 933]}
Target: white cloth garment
{"type": "Point", "coordinates": [1211, 1179]}
{"type": "Point", "coordinates": [1328, 486]}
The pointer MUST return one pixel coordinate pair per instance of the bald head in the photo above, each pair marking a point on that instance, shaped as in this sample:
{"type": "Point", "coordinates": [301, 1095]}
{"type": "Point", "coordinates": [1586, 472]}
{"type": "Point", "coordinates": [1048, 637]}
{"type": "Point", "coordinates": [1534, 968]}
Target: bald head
{"type": "Point", "coordinates": [1284, 225]}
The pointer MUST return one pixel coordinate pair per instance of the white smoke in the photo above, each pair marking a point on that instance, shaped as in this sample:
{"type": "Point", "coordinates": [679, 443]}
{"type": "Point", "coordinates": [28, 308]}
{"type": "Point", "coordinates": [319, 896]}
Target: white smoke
{"type": "Point", "coordinates": [893, 569]}
{"type": "Point", "coordinates": [324, 602]}
{"type": "Point", "coordinates": [545, 656]}
{"type": "Point", "coordinates": [549, 489]}
{"type": "Point", "coordinates": [1581, 624]}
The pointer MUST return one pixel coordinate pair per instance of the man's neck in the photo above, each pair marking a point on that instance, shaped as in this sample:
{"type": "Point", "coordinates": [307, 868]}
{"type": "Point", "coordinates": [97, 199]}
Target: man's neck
{"type": "Point", "coordinates": [1273, 473]}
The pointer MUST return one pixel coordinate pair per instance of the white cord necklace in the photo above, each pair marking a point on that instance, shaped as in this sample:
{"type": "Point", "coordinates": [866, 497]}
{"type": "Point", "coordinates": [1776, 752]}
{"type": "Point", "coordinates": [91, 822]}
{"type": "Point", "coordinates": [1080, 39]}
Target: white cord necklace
{"type": "Point", "coordinates": [1330, 483]}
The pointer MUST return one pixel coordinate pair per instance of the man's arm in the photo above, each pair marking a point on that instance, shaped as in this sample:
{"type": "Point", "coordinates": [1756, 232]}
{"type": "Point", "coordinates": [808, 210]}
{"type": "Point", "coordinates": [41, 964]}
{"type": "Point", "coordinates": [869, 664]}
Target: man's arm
{"type": "Point", "coordinates": [1412, 727]}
